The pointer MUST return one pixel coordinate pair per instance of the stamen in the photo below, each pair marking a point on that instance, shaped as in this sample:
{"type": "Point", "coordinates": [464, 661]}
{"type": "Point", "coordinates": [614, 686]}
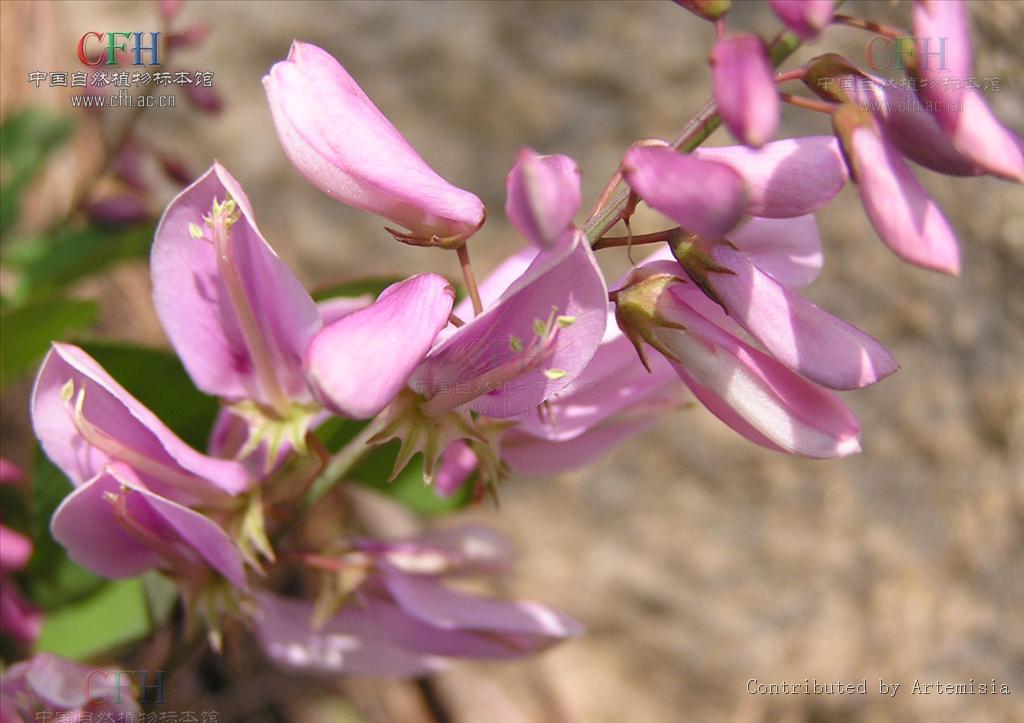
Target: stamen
{"type": "Point", "coordinates": [539, 349]}
{"type": "Point", "coordinates": [221, 219]}
{"type": "Point", "coordinates": [164, 548]}
{"type": "Point", "coordinates": [195, 486]}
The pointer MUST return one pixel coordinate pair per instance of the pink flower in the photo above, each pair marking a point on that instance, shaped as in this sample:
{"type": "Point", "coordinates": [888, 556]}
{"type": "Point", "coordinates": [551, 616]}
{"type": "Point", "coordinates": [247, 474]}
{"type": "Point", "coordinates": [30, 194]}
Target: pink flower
{"type": "Point", "coordinates": [806, 18]}
{"type": "Point", "coordinates": [134, 479]}
{"type": "Point", "coordinates": [745, 388]}
{"type": "Point", "coordinates": [47, 684]}
{"type": "Point", "coordinates": [360, 362]}
{"type": "Point", "coordinates": [116, 527]}
{"type": "Point", "coordinates": [786, 178]}
{"type": "Point", "coordinates": [613, 399]}
{"type": "Point", "coordinates": [543, 196]}
{"type": "Point", "coordinates": [745, 88]}
{"type": "Point", "coordinates": [798, 333]}
{"type": "Point", "coordinates": [942, 64]}
{"type": "Point", "coordinates": [247, 331]}
{"type": "Point", "coordinates": [530, 342]}
{"type": "Point", "coordinates": [905, 217]}
{"type": "Point", "coordinates": [344, 145]}
{"type": "Point", "coordinates": [403, 620]}
{"type": "Point", "coordinates": [544, 312]}
{"type": "Point", "coordinates": [705, 197]}
{"type": "Point", "coordinates": [19, 619]}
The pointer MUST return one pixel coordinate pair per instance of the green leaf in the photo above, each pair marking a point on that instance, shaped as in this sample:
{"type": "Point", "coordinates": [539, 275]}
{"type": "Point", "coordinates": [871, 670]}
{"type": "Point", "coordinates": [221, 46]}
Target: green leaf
{"type": "Point", "coordinates": [52, 579]}
{"type": "Point", "coordinates": [371, 285]}
{"type": "Point", "coordinates": [158, 380]}
{"type": "Point", "coordinates": [53, 262]}
{"type": "Point", "coordinates": [27, 138]}
{"type": "Point", "coordinates": [115, 615]}
{"type": "Point", "coordinates": [29, 329]}
{"type": "Point", "coordinates": [161, 596]}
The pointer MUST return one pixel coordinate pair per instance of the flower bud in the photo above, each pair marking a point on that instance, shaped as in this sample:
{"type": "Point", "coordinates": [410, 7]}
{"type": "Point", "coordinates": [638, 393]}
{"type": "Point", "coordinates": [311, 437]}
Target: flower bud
{"type": "Point", "coordinates": [744, 387]}
{"type": "Point", "coordinates": [708, 9]}
{"type": "Point", "coordinates": [806, 18]}
{"type": "Point", "coordinates": [905, 217]}
{"type": "Point", "coordinates": [344, 145]}
{"type": "Point", "coordinates": [745, 88]}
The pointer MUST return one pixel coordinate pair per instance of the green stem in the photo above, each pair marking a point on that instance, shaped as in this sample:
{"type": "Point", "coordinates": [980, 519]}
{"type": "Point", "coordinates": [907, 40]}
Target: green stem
{"type": "Point", "coordinates": [342, 463]}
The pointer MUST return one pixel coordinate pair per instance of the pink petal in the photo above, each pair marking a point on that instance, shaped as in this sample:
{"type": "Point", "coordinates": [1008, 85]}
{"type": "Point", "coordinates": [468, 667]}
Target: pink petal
{"type": "Point", "coordinates": [19, 619]}
{"type": "Point", "coordinates": [788, 249]}
{"type": "Point", "coordinates": [801, 335]}
{"type": "Point", "coordinates": [85, 524]}
{"type": "Point", "coordinates": [359, 364]}
{"type": "Point", "coordinates": [354, 641]}
{"type": "Point", "coordinates": [344, 145]}
{"type": "Point", "coordinates": [908, 126]}
{"type": "Point", "coordinates": [121, 210]}
{"type": "Point", "coordinates": [563, 281]}
{"type": "Point", "coordinates": [705, 197]}
{"type": "Point", "coordinates": [10, 473]}
{"type": "Point", "coordinates": [539, 457]}
{"type": "Point", "coordinates": [806, 18]}
{"type": "Point", "coordinates": [745, 88]}
{"type": "Point", "coordinates": [474, 549]}
{"type": "Point", "coordinates": [787, 178]}
{"type": "Point", "coordinates": [943, 45]}
{"type": "Point", "coordinates": [111, 409]}
{"type": "Point", "coordinates": [458, 462]}
{"type": "Point", "coordinates": [441, 607]}
{"type": "Point", "coordinates": [15, 549]}
{"type": "Point", "coordinates": [983, 140]}
{"type": "Point", "coordinates": [905, 217]}
{"type": "Point", "coordinates": [543, 196]}
{"type": "Point", "coordinates": [612, 382]}
{"type": "Point", "coordinates": [196, 311]}
{"type": "Point", "coordinates": [781, 407]}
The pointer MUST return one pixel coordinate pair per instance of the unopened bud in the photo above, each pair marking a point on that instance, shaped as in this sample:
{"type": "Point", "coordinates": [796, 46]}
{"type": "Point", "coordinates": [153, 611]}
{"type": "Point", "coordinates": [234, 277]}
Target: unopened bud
{"type": "Point", "coordinates": [711, 10]}
{"type": "Point", "coordinates": [637, 307]}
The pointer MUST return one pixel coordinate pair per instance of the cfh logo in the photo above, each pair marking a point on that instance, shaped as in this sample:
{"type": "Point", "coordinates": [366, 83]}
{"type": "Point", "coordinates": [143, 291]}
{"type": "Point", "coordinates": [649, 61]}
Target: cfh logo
{"type": "Point", "coordinates": [115, 686]}
{"type": "Point", "coordinates": [93, 49]}
{"type": "Point", "coordinates": [889, 53]}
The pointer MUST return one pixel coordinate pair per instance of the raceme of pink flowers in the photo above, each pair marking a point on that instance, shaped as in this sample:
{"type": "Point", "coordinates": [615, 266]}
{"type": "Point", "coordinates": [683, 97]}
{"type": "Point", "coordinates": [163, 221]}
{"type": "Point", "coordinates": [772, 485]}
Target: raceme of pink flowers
{"type": "Point", "coordinates": [543, 369]}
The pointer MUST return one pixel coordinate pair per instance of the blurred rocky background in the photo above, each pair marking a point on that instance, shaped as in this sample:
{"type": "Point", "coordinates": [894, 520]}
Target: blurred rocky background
{"type": "Point", "coordinates": [698, 561]}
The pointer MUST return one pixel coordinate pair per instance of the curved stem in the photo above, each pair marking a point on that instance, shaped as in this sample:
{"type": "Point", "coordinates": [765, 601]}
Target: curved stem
{"type": "Point", "coordinates": [607, 242]}
{"type": "Point", "coordinates": [467, 274]}
{"type": "Point", "coordinates": [818, 106]}
{"type": "Point", "coordinates": [342, 463]}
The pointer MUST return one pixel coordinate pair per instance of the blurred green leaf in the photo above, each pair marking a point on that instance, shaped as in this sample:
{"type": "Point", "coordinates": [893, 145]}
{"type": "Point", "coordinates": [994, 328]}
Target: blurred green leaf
{"type": "Point", "coordinates": [371, 285]}
{"type": "Point", "coordinates": [375, 468]}
{"type": "Point", "coordinates": [115, 615]}
{"type": "Point", "coordinates": [52, 579]}
{"type": "Point", "coordinates": [27, 138]}
{"type": "Point", "coordinates": [158, 380]}
{"type": "Point", "coordinates": [161, 596]}
{"type": "Point", "coordinates": [48, 263]}
{"type": "Point", "coordinates": [29, 329]}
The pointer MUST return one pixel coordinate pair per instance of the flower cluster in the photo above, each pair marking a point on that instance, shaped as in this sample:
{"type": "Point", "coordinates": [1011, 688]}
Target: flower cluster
{"type": "Point", "coordinates": [539, 370]}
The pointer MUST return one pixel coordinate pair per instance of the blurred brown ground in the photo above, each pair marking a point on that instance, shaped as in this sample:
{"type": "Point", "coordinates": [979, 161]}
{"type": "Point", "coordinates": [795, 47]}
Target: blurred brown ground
{"type": "Point", "coordinates": [697, 561]}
